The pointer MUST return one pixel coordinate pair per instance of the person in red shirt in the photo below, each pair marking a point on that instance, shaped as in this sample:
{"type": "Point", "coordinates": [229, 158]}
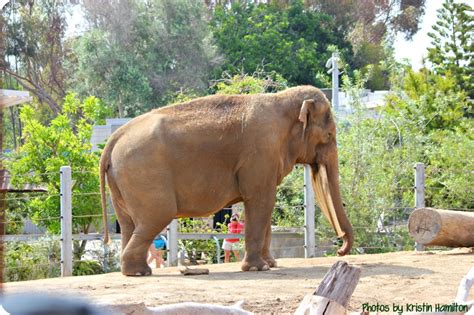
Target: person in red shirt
{"type": "Point", "coordinates": [232, 244]}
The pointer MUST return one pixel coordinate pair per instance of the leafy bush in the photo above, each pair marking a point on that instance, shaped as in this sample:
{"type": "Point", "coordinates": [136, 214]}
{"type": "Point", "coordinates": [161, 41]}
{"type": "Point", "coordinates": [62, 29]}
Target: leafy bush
{"type": "Point", "coordinates": [34, 260]}
{"type": "Point", "coordinates": [65, 140]}
{"type": "Point", "coordinates": [87, 268]}
{"type": "Point", "coordinates": [258, 82]}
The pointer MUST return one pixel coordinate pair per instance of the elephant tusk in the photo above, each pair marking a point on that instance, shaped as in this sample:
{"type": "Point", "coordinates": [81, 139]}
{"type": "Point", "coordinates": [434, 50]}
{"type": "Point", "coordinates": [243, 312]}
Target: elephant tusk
{"type": "Point", "coordinates": [323, 195]}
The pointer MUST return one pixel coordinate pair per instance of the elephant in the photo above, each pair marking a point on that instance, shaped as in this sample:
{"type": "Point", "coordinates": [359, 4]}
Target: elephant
{"type": "Point", "coordinates": [192, 159]}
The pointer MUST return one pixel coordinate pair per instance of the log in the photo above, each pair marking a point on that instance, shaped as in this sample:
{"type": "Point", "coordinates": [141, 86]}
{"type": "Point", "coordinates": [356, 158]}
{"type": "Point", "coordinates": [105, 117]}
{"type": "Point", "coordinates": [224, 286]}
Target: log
{"type": "Point", "coordinates": [333, 293]}
{"type": "Point", "coordinates": [437, 227]}
{"type": "Point", "coordinates": [194, 271]}
{"type": "Point", "coordinates": [339, 283]}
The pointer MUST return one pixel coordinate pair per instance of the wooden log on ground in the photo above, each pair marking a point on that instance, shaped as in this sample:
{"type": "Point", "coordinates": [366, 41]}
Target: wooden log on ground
{"type": "Point", "coordinates": [436, 227]}
{"type": "Point", "coordinates": [194, 271]}
{"type": "Point", "coordinates": [333, 293]}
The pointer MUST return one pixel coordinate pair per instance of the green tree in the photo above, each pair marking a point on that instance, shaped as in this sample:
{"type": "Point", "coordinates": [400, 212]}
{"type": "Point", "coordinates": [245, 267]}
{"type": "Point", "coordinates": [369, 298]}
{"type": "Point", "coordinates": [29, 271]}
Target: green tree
{"type": "Point", "coordinates": [47, 147]}
{"type": "Point", "coordinates": [430, 107]}
{"type": "Point", "coordinates": [453, 44]}
{"type": "Point", "coordinates": [137, 53]}
{"type": "Point", "coordinates": [291, 41]}
{"type": "Point", "coordinates": [375, 18]}
{"type": "Point", "coordinates": [428, 102]}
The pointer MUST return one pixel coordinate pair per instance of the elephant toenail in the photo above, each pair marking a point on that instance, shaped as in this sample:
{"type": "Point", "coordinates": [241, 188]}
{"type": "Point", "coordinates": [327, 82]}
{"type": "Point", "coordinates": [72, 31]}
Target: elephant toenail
{"type": "Point", "coordinates": [138, 274]}
{"type": "Point", "coordinates": [265, 268]}
{"type": "Point", "coordinates": [253, 269]}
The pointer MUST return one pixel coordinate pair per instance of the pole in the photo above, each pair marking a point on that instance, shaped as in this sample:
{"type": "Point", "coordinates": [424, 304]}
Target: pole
{"type": "Point", "coordinates": [172, 236]}
{"type": "Point", "coordinates": [335, 81]}
{"type": "Point", "coordinates": [66, 221]}
{"type": "Point", "coordinates": [218, 249]}
{"type": "Point", "coordinates": [309, 214]}
{"type": "Point", "coordinates": [419, 193]}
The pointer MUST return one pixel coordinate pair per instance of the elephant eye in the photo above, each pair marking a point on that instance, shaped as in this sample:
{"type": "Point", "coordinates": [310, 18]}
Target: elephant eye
{"type": "Point", "coordinates": [327, 117]}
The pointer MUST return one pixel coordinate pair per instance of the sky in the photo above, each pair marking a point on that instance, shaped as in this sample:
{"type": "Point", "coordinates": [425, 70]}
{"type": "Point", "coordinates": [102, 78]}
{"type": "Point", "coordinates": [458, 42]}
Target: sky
{"type": "Point", "coordinates": [415, 49]}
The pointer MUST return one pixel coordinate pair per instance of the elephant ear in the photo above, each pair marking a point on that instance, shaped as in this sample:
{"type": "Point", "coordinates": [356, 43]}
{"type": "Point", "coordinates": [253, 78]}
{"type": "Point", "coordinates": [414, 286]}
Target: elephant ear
{"type": "Point", "coordinates": [304, 113]}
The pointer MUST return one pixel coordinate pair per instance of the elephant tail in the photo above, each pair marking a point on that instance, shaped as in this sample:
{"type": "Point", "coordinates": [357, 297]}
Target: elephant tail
{"type": "Point", "coordinates": [103, 167]}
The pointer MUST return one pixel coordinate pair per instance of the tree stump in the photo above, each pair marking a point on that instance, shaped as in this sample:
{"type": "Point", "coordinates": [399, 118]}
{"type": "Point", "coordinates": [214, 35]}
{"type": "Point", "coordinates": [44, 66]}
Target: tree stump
{"type": "Point", "coordinates": [436, 227]}
{"type": "Point", "coordinates": [333, 293]}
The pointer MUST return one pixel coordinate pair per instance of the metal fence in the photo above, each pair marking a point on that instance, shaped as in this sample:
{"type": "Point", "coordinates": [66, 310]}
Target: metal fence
{"type": "Point", "coordinates": [306, 240]}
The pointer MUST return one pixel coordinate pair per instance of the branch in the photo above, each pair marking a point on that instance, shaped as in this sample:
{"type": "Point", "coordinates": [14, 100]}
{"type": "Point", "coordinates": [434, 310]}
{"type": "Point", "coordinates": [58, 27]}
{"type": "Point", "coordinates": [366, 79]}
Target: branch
{"type": "Point", "coordinates": [35, 89]}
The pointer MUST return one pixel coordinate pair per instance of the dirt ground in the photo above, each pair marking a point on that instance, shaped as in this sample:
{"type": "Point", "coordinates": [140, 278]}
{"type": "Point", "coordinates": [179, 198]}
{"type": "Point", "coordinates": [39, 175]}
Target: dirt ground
{"type": "Point", "coordinates": [402, 277]}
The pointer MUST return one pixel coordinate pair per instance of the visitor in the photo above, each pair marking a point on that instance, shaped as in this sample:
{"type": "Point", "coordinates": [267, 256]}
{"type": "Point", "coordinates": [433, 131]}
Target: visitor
{"type": "Point", "coordinates": [156, 252]}
{"type": "Point", "coordinates": [233, 244]}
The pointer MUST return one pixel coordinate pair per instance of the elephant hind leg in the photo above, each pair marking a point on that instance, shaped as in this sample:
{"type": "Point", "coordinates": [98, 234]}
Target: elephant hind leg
{"type": "Point", "coordinates": [135, 254]}
{"type": "Point", "coordinates": [147, 226]}
{"type": "Point", "coordinates": [126, 224]}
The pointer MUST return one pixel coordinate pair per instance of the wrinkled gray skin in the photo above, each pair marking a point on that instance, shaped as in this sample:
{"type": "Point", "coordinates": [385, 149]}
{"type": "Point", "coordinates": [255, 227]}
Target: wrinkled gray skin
{"type": "Point", "coordinates": [194, 158]}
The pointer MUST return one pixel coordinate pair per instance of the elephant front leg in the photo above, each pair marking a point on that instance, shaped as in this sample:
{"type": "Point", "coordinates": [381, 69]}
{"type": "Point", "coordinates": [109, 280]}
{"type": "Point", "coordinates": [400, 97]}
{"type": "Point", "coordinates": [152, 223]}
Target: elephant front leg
{"type": "Point", "coordinates": [257, 221]}
{"type": "Point", "coordinates": [266, 247]}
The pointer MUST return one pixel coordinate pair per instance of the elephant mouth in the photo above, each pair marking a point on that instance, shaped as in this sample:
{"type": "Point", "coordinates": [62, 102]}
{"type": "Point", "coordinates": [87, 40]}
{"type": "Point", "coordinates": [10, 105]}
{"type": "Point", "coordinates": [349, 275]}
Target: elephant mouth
{"type": "Point", "coordinates": [324, 197]}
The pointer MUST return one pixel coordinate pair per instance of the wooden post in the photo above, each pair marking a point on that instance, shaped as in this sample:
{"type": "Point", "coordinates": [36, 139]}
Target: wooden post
{"type": "Point", "coordinates": [431, 227]}
{"type": "Point", "coordinates": [309, 215]}
{"type": "Point", "coordinates": [419, 194]}
{"type": "Point", "coordinates": [66, 221]}
{"type": "Point", "coordinates": [172, 236]}
{"type": "Point", "coordinates": [333, 293]}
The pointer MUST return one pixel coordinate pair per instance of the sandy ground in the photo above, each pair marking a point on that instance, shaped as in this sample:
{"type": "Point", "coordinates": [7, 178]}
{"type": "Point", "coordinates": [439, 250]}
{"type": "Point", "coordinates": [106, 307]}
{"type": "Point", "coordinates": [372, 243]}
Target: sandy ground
{"type": "Point", "coordinates": [402, 277]}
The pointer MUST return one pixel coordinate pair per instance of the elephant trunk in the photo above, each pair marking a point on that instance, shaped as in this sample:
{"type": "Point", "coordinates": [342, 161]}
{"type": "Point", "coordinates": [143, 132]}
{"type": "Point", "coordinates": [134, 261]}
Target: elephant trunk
{"type": "Point", "coordinates": [326, 187]}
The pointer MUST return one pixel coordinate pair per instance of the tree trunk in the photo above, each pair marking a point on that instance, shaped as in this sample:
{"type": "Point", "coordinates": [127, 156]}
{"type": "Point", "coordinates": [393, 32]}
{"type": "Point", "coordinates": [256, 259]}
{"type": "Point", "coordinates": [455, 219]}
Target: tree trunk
{"type": "Point", "coordinates": [436, 227]}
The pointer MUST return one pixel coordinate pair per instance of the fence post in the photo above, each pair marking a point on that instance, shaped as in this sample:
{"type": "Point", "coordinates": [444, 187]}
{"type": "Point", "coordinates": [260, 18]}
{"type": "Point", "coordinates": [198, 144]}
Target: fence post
{"type": "Point", "coordinates": [218, 249]}
{"type": "Point", "coordinates": [172, 236]}
{"type": "Point", "coordinates": [309, 214]}
{"type": "Point", "coordinates": [66, 221]}
{"type": "Point", "coordinates": [419, 193]}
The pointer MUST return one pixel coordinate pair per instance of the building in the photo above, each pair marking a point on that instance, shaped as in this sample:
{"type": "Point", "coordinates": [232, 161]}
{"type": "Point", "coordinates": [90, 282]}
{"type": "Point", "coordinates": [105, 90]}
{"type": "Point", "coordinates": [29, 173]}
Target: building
{"type": "Point", "coordinates": [102, 132]}
{"type": "Point", "coordinates": [369, 101]}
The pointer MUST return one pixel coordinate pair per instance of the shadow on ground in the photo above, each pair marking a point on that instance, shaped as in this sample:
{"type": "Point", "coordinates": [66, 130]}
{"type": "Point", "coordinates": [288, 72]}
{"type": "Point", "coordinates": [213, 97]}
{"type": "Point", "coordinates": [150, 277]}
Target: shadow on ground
{"type": "Point", "coordinates": [313, 272]}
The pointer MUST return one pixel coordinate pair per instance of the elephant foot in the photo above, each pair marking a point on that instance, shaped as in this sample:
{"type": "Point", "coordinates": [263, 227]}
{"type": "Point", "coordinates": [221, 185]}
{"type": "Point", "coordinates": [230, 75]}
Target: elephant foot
{"type": "Point", "coordinates": [135, 270]}
{"type": "Point", "coordinates": [272, 263]}
{"type": "Point", "coordinates": [257, 265]}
